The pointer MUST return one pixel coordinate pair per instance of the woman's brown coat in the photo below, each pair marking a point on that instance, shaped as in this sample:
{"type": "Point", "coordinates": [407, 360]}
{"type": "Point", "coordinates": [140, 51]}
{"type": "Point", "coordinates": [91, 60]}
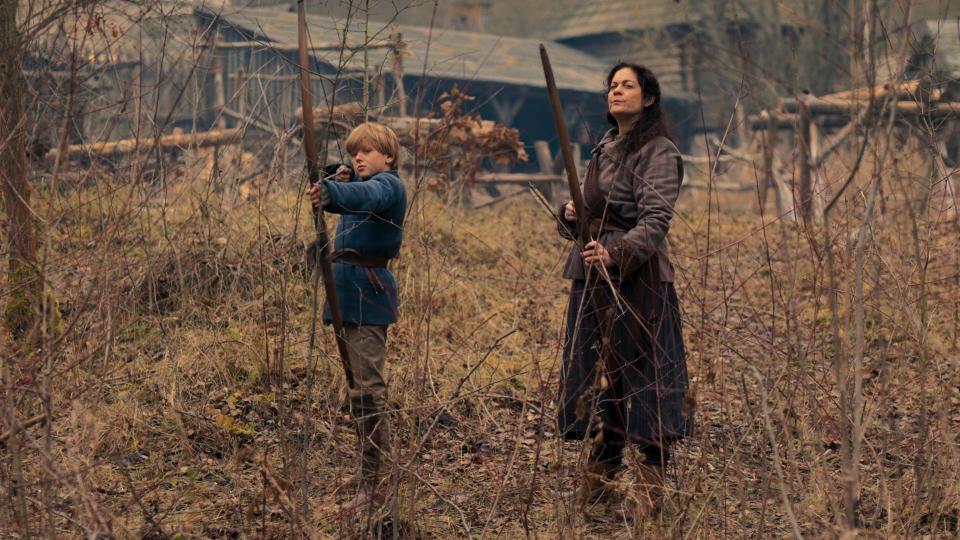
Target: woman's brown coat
{"type": "Point", "coordinates": [642, 192]}
{"type": "Point", "coordinates": [624, 369]}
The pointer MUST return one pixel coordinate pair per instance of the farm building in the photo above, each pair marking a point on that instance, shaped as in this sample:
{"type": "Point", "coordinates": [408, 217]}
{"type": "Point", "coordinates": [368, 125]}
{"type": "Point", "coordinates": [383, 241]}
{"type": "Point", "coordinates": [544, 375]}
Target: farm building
{"type": "Point", "coordinates": [197, 66]}
{"type": "Point", "coordinates": [408, 68]}
{"type": "Point", "coordinates": [128, 69]}
{"type": "Point", "coordinates": [202, 65]}
{"type": "Point", "coordinates": [934, 56]}
{"type": "Point", "coordinates": [935, 51]}
{"type": "Point", "coordinates": [698, 50]}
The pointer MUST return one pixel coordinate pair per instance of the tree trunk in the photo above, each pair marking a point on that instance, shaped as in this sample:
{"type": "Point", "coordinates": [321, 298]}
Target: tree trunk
{"type": "Point", "coordinates": [25, 286]}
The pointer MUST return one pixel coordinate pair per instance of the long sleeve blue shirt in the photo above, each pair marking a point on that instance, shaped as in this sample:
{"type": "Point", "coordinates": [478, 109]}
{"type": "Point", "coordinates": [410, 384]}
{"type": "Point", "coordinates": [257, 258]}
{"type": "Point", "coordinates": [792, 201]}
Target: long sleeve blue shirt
{"type": "Point", "coordinates": [371, 222]}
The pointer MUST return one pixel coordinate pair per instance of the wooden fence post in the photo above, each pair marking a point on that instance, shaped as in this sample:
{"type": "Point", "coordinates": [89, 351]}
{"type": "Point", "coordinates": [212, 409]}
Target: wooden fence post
{"type": "Point", "coordinates": [241, 96]}
{"type": "Point", "coordinates": [805, 187]}
{"type": "Point", "coordinates": [819, 194]}
{"type": "Point", "coordinates": [396, 59]}
{"type": "Point", "coordinates": [769, 139]}
{"type": "Point", "coordinates": [219, 94]}
{"type": "Point", "coordinates": [542, 150]}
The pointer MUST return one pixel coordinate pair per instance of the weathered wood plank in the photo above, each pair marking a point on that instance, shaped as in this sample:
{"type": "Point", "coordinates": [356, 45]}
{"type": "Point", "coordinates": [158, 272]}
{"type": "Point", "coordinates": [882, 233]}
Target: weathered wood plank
{"type": "Point", "coordinates": [219, 137]}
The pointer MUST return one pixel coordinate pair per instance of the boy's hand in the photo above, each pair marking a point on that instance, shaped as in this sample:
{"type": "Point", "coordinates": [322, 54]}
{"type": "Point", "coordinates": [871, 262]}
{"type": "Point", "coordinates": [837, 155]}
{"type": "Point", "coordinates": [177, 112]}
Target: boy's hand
{"type": "Point", "coordinates": [319, 195]}
{"type": "Point", "coordinates": [569, 211]}
{"type": "Point", "coordinates": [344, 174]}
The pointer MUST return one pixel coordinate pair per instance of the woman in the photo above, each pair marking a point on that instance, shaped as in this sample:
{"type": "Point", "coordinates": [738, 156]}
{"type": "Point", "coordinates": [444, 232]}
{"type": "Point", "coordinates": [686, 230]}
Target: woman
{"type": "Point", "coordinates": [624, 377]}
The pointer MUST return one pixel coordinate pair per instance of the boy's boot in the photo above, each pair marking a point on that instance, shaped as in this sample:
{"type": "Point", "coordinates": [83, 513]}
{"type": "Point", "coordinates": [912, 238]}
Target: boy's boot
{"type": "Point", "coordinates": [373, 431]}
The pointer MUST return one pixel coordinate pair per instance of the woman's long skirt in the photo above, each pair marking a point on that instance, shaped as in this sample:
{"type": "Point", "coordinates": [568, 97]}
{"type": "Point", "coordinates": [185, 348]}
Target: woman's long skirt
{"type": "Point", "coordinates": [643, 393]}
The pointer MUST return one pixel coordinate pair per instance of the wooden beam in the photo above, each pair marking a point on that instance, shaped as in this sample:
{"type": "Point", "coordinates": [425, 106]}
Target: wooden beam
{"type": "Point", "coordinates": [406, 126]}
{"type": "Point", "coordinates": [285, 47]}
{"type": "Point", "coordinates": [819, 106]}
{"type": "Point", "coordinates": [266, 77]}
{"type": "Point", "coordinates": [903, 89]}
{"type": "Point", "coordinates": [789, 121]}
{"type": "Point", "coordinates": [202, 139]}
{"type": "Point", "coordinates": [937, 109]}
{"type": "Point", "coordinates": [348, 113]}
{"type": "Point", "coordinates": [219, 93]}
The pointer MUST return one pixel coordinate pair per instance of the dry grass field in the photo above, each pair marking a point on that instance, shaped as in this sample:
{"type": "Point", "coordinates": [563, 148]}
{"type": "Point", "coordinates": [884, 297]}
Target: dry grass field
{"type": "Point", "coordinates": [186, 405]}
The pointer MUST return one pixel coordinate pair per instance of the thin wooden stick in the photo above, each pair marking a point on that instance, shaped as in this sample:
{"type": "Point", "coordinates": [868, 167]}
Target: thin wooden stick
{"type": "Point", "coordinates": [38, 419]}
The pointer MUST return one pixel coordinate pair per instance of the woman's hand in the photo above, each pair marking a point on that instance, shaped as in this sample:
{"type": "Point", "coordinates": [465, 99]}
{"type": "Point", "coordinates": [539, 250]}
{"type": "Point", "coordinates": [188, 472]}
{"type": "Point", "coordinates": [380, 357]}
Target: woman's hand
{"type": "Point", "coordinates": [569, 211]}
{"type": "Point", "coordinates": [594, 253]}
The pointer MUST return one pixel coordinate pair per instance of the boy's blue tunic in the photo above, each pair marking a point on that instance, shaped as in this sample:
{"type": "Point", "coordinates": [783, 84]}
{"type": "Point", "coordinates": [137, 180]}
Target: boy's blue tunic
{"type": "Point", "coordinates": [371, 223]}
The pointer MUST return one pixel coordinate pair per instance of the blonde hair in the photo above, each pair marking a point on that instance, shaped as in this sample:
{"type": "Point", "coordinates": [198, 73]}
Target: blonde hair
{"type": "Point", "coordinates": [377, 136]}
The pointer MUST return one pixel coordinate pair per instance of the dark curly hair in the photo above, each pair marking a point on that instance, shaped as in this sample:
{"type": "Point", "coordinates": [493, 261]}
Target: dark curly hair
{"type": "Point", "coordinates": [652, 121]}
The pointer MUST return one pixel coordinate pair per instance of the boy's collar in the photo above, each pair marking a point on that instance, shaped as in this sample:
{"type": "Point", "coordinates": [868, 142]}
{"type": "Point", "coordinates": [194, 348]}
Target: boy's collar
{"type": "Point", "coordinates": [390, 171]}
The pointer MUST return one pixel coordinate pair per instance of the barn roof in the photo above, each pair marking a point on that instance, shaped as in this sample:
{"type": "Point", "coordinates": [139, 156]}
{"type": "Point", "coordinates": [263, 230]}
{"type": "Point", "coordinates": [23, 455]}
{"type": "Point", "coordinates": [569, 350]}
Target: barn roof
{"type": "Point", "coordinates": [593, 17]}
{"type": "Point", "coordinates": [119, 32]}
{"type": "Point", "coordinates": [450, 54]}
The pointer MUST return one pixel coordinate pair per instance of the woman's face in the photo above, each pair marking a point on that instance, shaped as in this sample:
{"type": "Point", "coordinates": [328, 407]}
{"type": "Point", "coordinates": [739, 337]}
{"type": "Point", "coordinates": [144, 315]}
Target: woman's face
{"type": "Point", "coordinates": [624, 96]}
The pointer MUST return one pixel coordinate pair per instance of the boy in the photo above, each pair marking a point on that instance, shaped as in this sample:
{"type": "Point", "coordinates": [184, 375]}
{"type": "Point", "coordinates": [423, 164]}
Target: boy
{"type": "Point", "coordinates": [372, 202]}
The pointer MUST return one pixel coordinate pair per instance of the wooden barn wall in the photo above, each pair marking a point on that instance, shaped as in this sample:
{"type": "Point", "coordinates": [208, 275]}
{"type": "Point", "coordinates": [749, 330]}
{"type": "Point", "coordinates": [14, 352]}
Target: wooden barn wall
{"type": "Point", "coordinates": [108, 98]}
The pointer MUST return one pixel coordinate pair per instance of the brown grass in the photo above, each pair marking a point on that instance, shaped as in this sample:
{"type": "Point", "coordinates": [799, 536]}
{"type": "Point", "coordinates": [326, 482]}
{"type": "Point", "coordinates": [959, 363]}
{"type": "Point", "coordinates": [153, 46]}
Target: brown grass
{"type": "Point", "coordinates": [180, 303]}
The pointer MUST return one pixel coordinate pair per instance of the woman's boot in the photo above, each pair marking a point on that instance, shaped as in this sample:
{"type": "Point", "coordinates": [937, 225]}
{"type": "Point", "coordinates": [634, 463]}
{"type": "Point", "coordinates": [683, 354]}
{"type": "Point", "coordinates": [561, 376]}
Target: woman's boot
{"type": "Point", "coordinates": [645, 502]}
{"type": "Point", "coordinates": [600, 471]}
{"type": "Point", "coordinates": [596, 483]}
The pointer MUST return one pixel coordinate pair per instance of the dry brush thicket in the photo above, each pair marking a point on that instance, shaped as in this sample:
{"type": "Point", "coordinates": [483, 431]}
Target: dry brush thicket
{"type": "Point", "coordinates": [179, 303]}
{"type": "Point", "coordinates": [169, 396]}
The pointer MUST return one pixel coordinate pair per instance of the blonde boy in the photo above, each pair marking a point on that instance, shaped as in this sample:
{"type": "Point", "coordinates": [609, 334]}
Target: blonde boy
{"type": "Point", "coordinates": [372, 202]}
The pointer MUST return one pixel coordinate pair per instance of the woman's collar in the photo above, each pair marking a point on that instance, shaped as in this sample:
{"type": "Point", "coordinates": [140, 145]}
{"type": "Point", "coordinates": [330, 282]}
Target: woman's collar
{"type": "Point", "coordinates": [610, 141]}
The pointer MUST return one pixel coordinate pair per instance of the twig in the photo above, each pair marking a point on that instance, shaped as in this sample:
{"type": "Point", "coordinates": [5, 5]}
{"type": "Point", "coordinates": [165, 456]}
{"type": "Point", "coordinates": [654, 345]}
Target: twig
{"type": "Point", "coordinates": [841, 136]}
{"type": "Point", "coordinates": [778, 466]}
{"type": "Point", "coordinates": [733, 153]}
{"type": "Point", "coordinates": [498, 200]}
{"type": "Point", "coordinates": [556, 217]}
{"type": "Point", "coordinates": [38, 419]}
{"type": "Point", "coordinates": [289, 507]}
{"type": "Point", "coordinates": [463, 516]}
{"type": "Point", "coordinates": [476, 366]}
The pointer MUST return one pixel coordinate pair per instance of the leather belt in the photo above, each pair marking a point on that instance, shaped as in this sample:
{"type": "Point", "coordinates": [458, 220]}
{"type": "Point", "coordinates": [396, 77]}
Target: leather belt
{"type": "Point", "coordinates": [598, 228]}
{"type": "Point", "coordinates": [368, 262]}
{"type": "Point", "coordinates": [354, 258]}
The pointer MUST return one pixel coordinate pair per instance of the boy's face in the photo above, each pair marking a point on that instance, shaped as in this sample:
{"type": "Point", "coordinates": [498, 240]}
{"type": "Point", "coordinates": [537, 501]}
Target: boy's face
{"type": "Point", "coordinates": [368, 162]}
